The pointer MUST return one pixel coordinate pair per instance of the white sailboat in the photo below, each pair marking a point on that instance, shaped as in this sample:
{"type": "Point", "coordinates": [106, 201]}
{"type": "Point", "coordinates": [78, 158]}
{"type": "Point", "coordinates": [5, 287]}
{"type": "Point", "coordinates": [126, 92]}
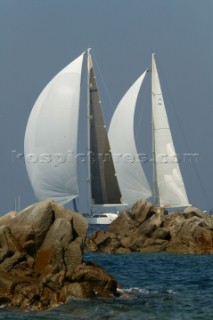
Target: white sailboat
{"type": "Point", "coordinates": [51, 144]}
{"type": "Point", "coordinates": [168, 186]}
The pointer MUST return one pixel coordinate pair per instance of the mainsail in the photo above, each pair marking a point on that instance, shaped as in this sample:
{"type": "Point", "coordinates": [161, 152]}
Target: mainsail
{"type": "Point", "coordinates": [169, 189]}
{"type": "Point", "coordinates": [104, 185]}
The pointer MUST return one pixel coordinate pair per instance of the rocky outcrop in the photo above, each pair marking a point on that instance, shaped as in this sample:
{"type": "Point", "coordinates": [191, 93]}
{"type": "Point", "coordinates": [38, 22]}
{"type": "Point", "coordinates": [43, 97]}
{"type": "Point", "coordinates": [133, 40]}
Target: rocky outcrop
{"type": "Point", "coordinates": [151, 229]}
{"type": "Point", "coordinates": [41, 258]}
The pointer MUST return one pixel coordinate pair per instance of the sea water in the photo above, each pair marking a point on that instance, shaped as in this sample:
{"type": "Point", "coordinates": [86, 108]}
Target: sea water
{"type": "Point", "coordinates": [161, 286]}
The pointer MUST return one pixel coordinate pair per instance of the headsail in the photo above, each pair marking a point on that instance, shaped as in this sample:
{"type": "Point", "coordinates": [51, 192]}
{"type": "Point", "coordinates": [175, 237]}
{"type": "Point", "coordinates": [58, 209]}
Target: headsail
{"type": "Point", "coordinates": [169, 189]}
{"type": "Point", "coordinates": [104, 185]}
{"type": "Point", "coordinates": [51, 137]}
{"type": "Point", "coordinates": [131, 178]}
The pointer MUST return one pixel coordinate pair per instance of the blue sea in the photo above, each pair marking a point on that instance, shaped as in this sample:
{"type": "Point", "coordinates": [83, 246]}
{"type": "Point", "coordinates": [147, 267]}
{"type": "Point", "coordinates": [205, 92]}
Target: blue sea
{"type": "Point", "coordinates": [163, 286]}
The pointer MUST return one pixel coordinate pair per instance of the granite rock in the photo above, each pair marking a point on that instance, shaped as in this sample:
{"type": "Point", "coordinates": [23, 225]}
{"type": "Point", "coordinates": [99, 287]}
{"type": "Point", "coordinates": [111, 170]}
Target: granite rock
{"type": "Point", "coordinates": [41, 258]}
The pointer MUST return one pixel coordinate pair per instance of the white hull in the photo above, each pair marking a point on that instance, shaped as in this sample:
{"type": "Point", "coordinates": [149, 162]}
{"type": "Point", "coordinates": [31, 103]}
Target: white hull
{"type": "Point", "coordinates": [105, 218]}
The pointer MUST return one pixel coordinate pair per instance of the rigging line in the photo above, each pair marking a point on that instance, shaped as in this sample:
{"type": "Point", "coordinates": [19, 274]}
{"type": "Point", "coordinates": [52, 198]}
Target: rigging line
{"type": "Point", "coordinates": [184, 137]}
{"type": "Point", "coordinates": [104, 83]}
{"type": "Point", "coordinates": [142, 106]}
{"type": "Point", "coordinates": [173, 106]}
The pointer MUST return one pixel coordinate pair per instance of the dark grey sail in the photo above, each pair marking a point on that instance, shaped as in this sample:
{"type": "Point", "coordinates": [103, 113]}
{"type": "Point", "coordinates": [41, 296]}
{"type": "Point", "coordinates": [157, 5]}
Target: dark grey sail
{"type": "Point", "coordinates": [104, 185]}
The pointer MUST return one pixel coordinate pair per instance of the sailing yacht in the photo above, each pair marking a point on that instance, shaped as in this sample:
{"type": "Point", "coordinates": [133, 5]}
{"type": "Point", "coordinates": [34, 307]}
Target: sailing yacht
{"type": "Point", "coordinates": [168, 187]}
{"type": "Point", "coordinates": [52, 142]}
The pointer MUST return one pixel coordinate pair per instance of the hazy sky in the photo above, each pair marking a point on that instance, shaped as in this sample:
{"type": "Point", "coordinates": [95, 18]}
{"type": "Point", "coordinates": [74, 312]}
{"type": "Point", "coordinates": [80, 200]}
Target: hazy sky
{"type": "Point", "coordinates": [39, 37]}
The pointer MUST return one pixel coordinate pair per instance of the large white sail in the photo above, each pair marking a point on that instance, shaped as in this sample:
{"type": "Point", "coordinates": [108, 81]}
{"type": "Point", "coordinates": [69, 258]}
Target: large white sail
{"type": "Point", "coordinates": [131, 178]}
{"type": "Point", "coordinates": [51, 137]}
{"type": "Point", "coordinates": [169, 189]}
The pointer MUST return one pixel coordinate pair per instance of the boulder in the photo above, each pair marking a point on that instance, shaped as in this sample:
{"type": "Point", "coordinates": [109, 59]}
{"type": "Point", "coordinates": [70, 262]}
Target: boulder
{"type": "Point", "coordinates": [147, 228]}
{"type": "Point", "coordinates": [141, 211]}
{"type": "Point", "coordinates": [7, 217]}
{"type": "Point", "coordinates": [41, 258]}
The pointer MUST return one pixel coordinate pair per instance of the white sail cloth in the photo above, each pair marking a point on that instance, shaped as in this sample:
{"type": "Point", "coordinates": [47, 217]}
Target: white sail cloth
{"type": "Point", "coordinates": [132, 181]}
{"type": "Point", "coordinates": [51, 135]}
{"type": "Point", "coordinates": [169, 187]}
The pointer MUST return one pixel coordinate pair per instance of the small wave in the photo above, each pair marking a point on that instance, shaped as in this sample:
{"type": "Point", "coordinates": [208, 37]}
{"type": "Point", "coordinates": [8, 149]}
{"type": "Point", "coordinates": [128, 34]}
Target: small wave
{"type": "Point", "coordinates": [133, 290]}
{"type": "Point", "coordinates": [143, 291]}
{"type": "Point", "coordinates": [170, 291]}
{"type": "Point", "coordinates": [79, 299]}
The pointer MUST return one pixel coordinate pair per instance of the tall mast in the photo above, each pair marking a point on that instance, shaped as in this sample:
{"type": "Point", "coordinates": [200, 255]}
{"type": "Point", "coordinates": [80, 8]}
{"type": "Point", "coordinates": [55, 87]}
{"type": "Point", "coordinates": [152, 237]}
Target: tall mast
{"type": "Point", "coordinates": [88, 131]}
{"type": "Point", "coordinates": [154, 169]}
